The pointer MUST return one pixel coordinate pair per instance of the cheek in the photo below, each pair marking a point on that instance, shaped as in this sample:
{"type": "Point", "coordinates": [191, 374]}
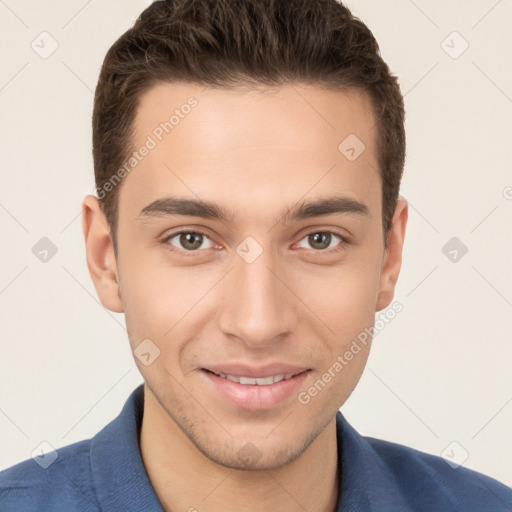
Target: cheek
{"type": "Point", "coordinates": [160, 299]}
{"type": "Point", "coordinates": [148, 293]}
{"type": "Point", "coordinates": [342, 297]}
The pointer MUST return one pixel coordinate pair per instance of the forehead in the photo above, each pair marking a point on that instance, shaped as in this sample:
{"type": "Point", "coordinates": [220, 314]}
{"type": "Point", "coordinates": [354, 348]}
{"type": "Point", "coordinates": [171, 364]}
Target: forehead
{"type": "Point", "coordinates": [259, 146]}
{"type": "Point", "coordinates": [245, 115]}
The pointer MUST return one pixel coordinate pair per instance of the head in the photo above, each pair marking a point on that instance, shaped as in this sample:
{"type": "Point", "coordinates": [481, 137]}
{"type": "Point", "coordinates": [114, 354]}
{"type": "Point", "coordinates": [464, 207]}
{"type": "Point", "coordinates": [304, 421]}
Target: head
{"type": "Point", "coordinates": [278, 131]}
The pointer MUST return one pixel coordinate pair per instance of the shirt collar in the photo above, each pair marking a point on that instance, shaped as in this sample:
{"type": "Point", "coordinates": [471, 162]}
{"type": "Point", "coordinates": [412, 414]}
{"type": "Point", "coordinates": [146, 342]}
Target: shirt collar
{"type": "Point", "coordinates": [367, 484]}
{"type": "Point", "coordinates": [119, 475]}
{"type": "Point", "coordinates": [122, 483]}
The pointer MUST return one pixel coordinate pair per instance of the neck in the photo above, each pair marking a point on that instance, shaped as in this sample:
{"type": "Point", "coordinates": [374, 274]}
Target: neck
{"type": "Point", "coordinates": [184, 479]}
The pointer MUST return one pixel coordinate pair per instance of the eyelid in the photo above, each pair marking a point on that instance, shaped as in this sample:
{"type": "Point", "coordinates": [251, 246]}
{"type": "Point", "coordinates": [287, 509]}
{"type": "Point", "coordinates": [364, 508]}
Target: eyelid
{"type": "Point", "coordinates": [338, 231]}
{"type": "Point", "coordinates": [196, 231]}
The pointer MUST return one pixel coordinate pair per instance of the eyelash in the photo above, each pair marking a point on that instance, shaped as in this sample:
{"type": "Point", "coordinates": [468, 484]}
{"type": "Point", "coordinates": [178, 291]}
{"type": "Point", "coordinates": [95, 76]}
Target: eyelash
{"type": "Point", "coordinates": [344, 242]}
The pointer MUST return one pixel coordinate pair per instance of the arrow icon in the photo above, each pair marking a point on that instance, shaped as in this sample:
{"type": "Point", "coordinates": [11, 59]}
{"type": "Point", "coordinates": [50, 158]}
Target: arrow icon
{"type": "Point", "coordinates": [454, 45]}
{"type": "Point", "coordinates": [351, 147]}
{"type": "Point", "coordinates": [44, 454]}
{"type": "Point", "coordinates": [454, 249]}
{"type": "Point", "coordinates": [146, 352]}
{"type": "Point", "coordinates": [44, 250]}
{"type": "Point", "coordinates": [249, 249]}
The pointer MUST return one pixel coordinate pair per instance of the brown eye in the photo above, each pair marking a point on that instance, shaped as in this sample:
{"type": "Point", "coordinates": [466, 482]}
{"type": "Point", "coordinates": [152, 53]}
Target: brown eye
{"type": "Point", "coordinates": [189, 240]}
{"type": "Point", "coordinates": [322, 240]}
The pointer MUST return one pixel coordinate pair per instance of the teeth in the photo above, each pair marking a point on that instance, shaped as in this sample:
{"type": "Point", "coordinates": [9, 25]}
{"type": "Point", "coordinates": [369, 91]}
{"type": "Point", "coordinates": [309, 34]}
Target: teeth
{"type": "Point", "coordinates": [263, 381]}
{"type": "Point", "coordinates": [259, 381]}
{"type": "Point", "coordinates": [248, 380]}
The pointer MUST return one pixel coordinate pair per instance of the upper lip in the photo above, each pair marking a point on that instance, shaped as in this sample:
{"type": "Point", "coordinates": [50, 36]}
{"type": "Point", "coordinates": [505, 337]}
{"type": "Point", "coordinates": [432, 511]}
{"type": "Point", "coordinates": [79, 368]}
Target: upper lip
{"type": "Point", "coordinates": [269, 370]}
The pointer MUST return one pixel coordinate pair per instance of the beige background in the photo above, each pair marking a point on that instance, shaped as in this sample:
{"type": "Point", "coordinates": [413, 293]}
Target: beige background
{"type": "Point", "coordinates": [438, 373]}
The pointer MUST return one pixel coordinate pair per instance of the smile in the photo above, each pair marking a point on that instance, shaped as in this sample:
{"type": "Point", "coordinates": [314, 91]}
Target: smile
{"type": "Point", "coordinates": [256, 381]}
{"type": "Point", "coordinates": [254, 393]}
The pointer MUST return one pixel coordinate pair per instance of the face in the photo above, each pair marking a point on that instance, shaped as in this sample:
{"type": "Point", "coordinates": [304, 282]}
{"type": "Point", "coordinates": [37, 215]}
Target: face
{"type": "Point", "coordinates": [250, 245]}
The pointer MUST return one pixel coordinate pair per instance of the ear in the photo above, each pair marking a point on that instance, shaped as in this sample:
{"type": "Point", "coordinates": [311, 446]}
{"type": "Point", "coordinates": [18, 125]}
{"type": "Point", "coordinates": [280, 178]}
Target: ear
{"type": "Point", "coordinates": [100, 255]}
{"type": "Point", "coordinates": [392, 260]}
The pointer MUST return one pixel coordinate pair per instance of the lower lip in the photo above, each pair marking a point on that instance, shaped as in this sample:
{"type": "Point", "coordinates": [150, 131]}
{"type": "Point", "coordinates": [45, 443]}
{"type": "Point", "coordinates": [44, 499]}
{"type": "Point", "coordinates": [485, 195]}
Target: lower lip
{"type": "Point", "coordinates": [252, 396]}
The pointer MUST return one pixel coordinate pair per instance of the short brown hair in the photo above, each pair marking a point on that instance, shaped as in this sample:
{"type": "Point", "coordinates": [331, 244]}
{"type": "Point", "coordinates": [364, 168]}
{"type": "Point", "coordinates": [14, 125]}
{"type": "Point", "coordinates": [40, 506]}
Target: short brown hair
{"type": "Point", "coordinates": [227, 43]}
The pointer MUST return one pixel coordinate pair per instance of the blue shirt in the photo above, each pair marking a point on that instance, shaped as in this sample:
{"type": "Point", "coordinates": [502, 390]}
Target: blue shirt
{"type": "Point", "coordinates": [106, 473]}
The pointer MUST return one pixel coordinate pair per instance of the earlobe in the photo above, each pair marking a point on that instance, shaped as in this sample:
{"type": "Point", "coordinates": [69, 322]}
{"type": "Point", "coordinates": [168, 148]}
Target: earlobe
{"type": "Point", "coordinates": [101, 260]}
{"type": "Point", "coordinates": [392, 261]}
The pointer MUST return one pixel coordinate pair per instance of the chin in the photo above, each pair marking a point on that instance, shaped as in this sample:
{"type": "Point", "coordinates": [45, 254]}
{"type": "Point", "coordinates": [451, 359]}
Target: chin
{"type": "Point", "coordinates": [251, 458]}
{"type": "Point", "coordinates": [255, 453]}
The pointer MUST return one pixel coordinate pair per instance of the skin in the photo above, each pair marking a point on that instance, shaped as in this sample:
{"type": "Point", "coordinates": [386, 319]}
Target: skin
{"type": "Point", "coordinates": [255, 153]}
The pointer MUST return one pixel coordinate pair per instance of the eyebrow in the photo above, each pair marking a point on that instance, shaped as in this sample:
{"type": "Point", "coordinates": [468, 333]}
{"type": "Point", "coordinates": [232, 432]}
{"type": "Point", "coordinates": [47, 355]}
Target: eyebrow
{"type": "Point", "coordinates": [171, 205]}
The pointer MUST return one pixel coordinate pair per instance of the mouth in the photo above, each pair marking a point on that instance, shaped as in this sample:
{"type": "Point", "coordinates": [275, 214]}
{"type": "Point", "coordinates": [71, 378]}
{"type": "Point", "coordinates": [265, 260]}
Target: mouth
{"type": "Point", "coordinates": [254, 393]}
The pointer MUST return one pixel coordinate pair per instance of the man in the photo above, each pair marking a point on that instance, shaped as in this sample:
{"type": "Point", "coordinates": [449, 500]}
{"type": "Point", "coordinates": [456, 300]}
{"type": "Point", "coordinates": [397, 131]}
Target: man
{"type": "Point", "coordinates": [248, 158]}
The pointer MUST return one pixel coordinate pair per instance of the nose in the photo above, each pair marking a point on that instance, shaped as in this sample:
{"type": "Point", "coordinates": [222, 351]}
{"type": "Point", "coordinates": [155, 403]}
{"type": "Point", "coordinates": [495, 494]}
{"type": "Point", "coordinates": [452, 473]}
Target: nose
{"type": "Point", "coordinates": [259, 308]}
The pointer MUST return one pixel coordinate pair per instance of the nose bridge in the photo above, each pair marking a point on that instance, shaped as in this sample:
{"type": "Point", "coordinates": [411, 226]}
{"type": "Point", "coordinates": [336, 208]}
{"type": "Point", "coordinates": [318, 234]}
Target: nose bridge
{"type": "Point", "coordinates": [257, 308]}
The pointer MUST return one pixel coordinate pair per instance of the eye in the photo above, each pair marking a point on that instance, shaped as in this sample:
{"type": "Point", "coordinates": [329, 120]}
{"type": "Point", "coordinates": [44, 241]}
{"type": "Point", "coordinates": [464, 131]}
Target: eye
{"type": "Point", "coordinates": [189, 241]}
{"type": "Point", "coordinates": [322, 240]}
